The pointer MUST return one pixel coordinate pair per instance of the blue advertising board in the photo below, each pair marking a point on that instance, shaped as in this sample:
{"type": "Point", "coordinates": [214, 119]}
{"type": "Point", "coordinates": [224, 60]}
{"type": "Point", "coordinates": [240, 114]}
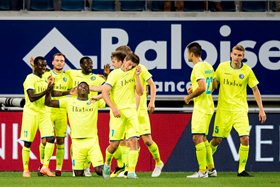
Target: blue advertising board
{"type": "Point", "coordinates": [161, 45]}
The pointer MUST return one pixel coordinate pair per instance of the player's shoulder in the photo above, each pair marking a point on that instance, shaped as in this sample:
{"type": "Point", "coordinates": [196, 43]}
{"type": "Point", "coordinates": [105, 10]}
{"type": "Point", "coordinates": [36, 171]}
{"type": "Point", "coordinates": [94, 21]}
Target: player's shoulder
{"type": "Point", "coordinates": [246, 67]}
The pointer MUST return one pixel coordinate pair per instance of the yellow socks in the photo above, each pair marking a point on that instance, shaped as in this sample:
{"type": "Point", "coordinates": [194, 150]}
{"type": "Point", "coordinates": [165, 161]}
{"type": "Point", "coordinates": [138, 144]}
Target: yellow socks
{"type": "Point", "coordinates": [118, 156]}
{"type": "Point", "coordinates": [132, 160]}
{"type": "Point", "coordinates": [59, 156]}
{"type": "Point", "coordinates": [201, 156]}
{"type": "Point", "coordinates": [155, 153]}
{"type": "Point", "coordinates": [108, 158]}
{"type": "Point", "coordinates": [209, 155]}
{"type": "Point", "coordinates": [243, 155]}
{"type": "Point", "coordinates": [214, 148]}
{"type": "Point", "coordinates": [48, 153]}
{"type": "Point", "coordinates": [25, 158]}
{"type": "Point", "coordinates": [42, 152]}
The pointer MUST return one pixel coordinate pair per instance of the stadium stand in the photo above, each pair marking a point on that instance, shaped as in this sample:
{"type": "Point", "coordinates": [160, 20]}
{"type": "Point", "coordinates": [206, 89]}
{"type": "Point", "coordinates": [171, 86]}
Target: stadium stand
{"type": "Point", "coordinates": [72, 5]}
{"type": "Point", "coordinates": [130, 5]}
{"type": "Point", "coordinates": [101, 5]}
{"type": "Point", "coordinates": [194, 6]}
{"type": "Point", "coordinates": [253, 6]}
{"type": "Point", "coordinates": [41, 5]}
{"type": "Point", "coordinates": [5, 5]}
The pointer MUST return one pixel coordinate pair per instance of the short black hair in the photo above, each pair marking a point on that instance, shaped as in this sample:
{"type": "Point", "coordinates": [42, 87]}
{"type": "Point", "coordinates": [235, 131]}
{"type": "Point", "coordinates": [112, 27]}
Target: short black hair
{"type": "Point", "coordinates": [195, 48]}
{"type": "Point", "coordinates": [83, 82]}
{"type": "Point", "coordinates": [37, 59]}
{"type": "Point", "coordinates": [83, 59]}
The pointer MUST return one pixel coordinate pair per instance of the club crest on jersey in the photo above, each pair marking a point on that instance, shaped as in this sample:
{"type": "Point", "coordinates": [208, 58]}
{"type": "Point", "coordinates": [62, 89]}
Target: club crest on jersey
{"type": "Point", "coordinates": [64, 79]}
{"type": "Point", "coordinates": [241, 76]}
{"type": "Point", "coordinates": [88, 102]}
{"type": "Point", "coordinates": [92, 78]}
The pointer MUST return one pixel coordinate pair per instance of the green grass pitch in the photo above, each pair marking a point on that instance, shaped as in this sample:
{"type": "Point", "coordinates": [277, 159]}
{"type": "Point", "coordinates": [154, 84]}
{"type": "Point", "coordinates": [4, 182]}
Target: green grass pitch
{"type": "Point", "coordinates": [169, 179]}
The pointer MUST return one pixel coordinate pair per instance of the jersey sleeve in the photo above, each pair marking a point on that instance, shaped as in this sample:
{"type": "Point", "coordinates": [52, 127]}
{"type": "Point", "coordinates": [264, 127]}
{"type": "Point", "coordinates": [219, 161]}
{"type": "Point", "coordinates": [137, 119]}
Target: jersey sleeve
{"type": "Point", "coordinates": [145, 74]}
{"type": "Point", "coordinates": [29, 83]}
{"type": "Point", "coordinates": [252, 79]}
{"type": "Point", "coordinates": [198, 72]}
{"type": "Point", "coordinates": [63, 102]}
{"type": "Point", "coordinates": [217, 73]}
{"type": "Point", "coordinates": [111, 80]}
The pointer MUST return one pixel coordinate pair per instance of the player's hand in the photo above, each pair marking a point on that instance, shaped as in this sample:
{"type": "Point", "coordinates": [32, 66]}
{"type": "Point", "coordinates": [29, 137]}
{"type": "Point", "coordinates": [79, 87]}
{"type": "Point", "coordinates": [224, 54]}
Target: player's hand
{"type": "Point", "coordinates": [107, 69]}
{"type": "Point", "coordinates": [189, 90]}
{"type": "Point", "coordinates": [31, 61]}
{"type": "Point", "coordinates": [102, 76]}
{"type": "Point", "coordinates": [262, 116]}
{"type": "Point", "coordinates": [151, 107]}
{"type": "Point", "coordinates": [51, 79]}
{"type": "Point", "coordinates": [187, 99]}
{"type": "Point", "coordinates": [116, 113]}
{"type": "Point", "coordinates": [94, 99]}
{"type": "Point", "coordinates": [138, 70]}
{"type": "Point", "coordinates": [74, 91]}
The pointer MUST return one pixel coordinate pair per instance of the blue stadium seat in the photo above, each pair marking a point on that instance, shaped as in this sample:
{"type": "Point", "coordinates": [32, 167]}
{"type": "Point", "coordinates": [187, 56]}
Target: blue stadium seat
{"type": "Point", "coordinates": [132, 5]}
{"type": "Point", "coordinates": [253, 6]}
{"type": "Point", "coordinates": [41, 5]}
{"type": "Point", "coordinates": [157, 6]}
{"type": "Point", "coordinates": [103, 5]}
{"type": "Point", "coordinates": [194, 6]}
{"type": "Point", "coordinates": [5, 5]}
{"type": "Point", "coordinates": [72, 5]}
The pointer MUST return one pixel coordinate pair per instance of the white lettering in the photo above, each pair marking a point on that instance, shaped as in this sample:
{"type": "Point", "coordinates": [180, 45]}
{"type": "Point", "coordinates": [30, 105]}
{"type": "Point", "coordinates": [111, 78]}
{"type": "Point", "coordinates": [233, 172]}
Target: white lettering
{"type": "Point", "coordinates": [3, 137]}
{"type": "Point", "coordinates": [15, 141]}
{"type": "Point", "coordinates": [266, 53]}
{"type": "Point", "coordinates": [233, 148]}
{"type": "Point", "coordinates": [159, 47]}
{"type": "Point", "coordinates": [108, 45]}
{"type": "Point", "coordinates": [260, 142]}
{"type": "Point", "coordinates": [176, 46]}
{"type": "Point", "coordinates": [250, 57]}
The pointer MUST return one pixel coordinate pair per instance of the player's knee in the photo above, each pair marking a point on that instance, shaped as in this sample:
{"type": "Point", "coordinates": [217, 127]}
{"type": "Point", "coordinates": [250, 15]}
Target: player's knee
{"type": "Point", "coordinates": [79, 173]}
{"type": "Point", "coordinates": [98, 170]}
{"type": "Point", "coordinates": [27, 144]}
{"type": "Point", "coordinates": [216, 141]}
{"type": "Point", "coordinates": [50, 139]}
{"type": "Point", "coordinates": [244, 140]}
{"type": "Point", "coordinates": [60, 141]}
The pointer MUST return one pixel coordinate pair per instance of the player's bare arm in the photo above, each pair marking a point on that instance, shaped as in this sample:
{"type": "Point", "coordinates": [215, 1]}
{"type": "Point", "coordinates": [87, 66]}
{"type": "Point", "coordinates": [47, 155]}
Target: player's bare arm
{"type": "Point", "coordinates": [201, 88]}
{"type": "Point", "coordinates": [258, 98]}
{"type": "Point", "coordinates": [139, 86]}
{"type": "Point", "coordinates": [106, 96]}
{"type": "Point", "coordinates": [151, 105]}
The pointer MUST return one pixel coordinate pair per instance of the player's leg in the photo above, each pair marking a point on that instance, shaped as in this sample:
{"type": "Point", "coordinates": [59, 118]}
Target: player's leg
{"type": "Point", "coordinates": [47, 131]}
{"type": "Point", "coordinates": [154, 150]}
{"type": "Point", "coordinates": [117, 129]}
{"type": "Point", "coordinates": [241, 125]}
{"type": "Point", "coordinates": [28, 132]}
{"type": "Point", "coordinates": [132, 134]}
{"type": "Point", "coordinates": [95, 156]}
{"type": "Point", "coordinates": [79, 155]}
{"type": "Point", "coordinates": [145, 132]}
{"type": "Point", "coordinates": [199, 126]}
{"type": "Point", "coordinates": [118, 155]}
{"type": "Point", "coordinates": [59, 120]}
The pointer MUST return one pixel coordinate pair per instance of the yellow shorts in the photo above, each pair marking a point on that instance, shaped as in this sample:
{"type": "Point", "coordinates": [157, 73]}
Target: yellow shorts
{"type": "Point", "coordinates": [127, 124]}
{"type": "Point", "coordinates": [59, 121]}
{"type": "Point", "coordinates": [144, 122]}
{"type": "Point", "coordinates": [225, 120]}
{"type": "Point", "coordinates": [83, 149]}
{"type": "Point", "coordinates": [32, 121]}
{"type": "Point", "coordinates": [200, 122]}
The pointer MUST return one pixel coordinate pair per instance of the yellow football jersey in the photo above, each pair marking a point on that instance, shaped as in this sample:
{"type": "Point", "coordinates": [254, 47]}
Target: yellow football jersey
{"type": "Point", "coordinates": [144, 77]}
{"type": "Point", "coordinates": [203, 102]}
{"type": "Point", "coordinates": [82, 116]}
{"type": "Point", "coordinates": [123, 85]}
{"type": "Point", "coordinates": [39, 85]}
{"type": "Point", "coordinates": [233, 86]}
